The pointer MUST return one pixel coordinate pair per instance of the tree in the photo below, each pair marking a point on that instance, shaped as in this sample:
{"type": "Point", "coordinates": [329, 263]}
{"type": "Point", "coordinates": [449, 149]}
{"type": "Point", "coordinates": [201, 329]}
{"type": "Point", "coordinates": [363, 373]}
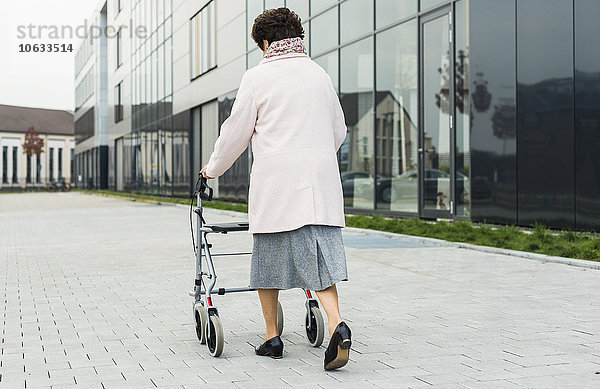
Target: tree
{"type": "Point", "coordinates": [34, 144]}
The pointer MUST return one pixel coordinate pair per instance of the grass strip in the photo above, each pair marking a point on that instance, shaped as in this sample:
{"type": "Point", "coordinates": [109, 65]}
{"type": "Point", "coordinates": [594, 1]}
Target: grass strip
{"type": "Point", "coordinates": [169, 200]}
{"type": "Point", "coordinates": [541, 240]}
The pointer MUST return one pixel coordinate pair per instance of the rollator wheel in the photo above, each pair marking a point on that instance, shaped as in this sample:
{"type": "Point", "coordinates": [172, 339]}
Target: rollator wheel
{"type": "Point", "coordinates": [200, 316]}
{"type": "Point", "coordinates": [315, 328]}
{"type": "Point", "coordinates": [279, 318]}
{"type": "Point", "coordinates": [214, 336]}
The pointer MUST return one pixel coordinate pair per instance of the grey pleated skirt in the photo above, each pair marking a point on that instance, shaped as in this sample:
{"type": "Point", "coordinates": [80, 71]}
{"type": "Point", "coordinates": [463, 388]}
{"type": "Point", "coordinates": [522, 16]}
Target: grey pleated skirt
{"type": "Point", "coordinates": [311, 257]}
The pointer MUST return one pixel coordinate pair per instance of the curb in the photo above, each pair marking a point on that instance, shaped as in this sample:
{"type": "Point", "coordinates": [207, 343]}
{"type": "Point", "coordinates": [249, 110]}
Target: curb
{"type": "Point", "coordinates": [486, 249]}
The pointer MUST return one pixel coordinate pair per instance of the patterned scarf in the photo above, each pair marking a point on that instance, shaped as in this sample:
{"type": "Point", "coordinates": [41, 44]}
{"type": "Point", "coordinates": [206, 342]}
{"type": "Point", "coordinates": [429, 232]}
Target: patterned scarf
{"type": "Point", "coordinates": [285, 46]}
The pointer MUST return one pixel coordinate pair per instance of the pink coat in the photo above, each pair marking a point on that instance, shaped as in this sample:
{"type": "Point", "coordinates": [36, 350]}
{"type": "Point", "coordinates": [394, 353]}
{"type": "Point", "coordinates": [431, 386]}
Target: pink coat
{"type": "Point", "coordinates": [289, 109]}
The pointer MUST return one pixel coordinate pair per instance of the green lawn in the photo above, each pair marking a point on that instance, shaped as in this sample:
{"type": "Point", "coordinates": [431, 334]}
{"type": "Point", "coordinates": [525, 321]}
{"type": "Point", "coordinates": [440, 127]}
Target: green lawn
{"type": "Point", "coordinates": [570, 244]}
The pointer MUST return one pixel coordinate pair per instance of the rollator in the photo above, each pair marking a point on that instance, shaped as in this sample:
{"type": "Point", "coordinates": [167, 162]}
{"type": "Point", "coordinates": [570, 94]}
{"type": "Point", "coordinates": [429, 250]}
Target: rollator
{"type": "Point", "coordinates": [209, 327]}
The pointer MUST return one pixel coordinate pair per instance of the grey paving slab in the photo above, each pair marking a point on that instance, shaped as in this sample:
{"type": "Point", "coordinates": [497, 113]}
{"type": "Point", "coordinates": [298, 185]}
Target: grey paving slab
{"type": "Point", "coordinates": [94, 295]}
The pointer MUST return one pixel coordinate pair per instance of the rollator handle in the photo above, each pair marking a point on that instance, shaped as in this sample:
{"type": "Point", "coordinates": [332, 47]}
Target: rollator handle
{"type": "Point", "coordinates": [203, 187]}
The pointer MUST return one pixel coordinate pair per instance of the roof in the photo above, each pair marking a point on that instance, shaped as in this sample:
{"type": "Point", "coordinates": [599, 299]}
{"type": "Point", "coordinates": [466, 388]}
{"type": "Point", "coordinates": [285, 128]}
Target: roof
{"type": "Point", "coordinates": [45, 121]}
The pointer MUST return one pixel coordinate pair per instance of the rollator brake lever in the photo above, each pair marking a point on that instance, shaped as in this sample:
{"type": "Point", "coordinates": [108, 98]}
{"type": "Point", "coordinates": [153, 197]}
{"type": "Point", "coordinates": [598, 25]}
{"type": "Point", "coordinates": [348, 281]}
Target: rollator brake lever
{"type": "Point", "coordinates": [203, 187]}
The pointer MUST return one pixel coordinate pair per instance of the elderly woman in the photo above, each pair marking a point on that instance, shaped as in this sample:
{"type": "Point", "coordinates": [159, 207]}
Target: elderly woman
{"type": "Point", "coordinates": [289, 109]}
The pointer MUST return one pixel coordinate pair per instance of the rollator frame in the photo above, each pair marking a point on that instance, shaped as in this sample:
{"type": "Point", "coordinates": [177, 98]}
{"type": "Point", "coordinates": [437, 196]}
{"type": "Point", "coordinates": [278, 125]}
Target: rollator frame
{"type": "Point", "coordinates": [209, 328]}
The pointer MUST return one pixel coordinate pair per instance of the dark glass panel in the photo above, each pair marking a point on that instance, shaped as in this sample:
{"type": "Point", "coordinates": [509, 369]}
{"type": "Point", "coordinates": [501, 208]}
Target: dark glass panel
{"type": "Point", "coordinates": [60, 163]}
{"type": "Point", "coordinates": [330, 63]}
{"type": "Point", "coordinates": [462, 105]}
{"type": "Point", "coordinates": [350, 12]}
{"type": "Point", "coordinates": [324, 32]}
{"type": "Point", "coordinates": [545, 112]}
{"type": "Point", "coordinates": [15, 156]}
{"type": "Point", "coordinates": [84, 125]}
{"type": "Point", "coordinates": [493, 111]}
{"type": "Point", "coordinates": [390, 11]}
{"type": "Point", "coordinates": [180, 127]}
{"type": "Point", "coordinates": [587, 114]}
{"type": "Point", "coordinates": [357, 152]}
{"type": "Point", "coordinates": [50, 164]}
{"type": "Point", "coordinates": [28, 178]}
{"type": "Point", "coordinates": [5, 164]}
{"type": "Point", "coordinates": [234, 184]}
{"type": "Point", "coordinates": [397, 118]}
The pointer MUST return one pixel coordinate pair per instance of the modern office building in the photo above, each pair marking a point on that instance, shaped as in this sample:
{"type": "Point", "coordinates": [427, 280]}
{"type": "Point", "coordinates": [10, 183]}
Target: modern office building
{"type": "Point", "coordinates": [459, 109]}
{"type": "Point", "coordinates": [53, 163]}
{"type": "Point", "coordinates": [91, 117]}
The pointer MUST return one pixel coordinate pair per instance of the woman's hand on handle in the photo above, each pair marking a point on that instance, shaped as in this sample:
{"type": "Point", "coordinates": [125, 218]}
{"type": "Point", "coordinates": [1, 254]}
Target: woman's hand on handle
{"type": "Point", "coordinates": [204, 173]}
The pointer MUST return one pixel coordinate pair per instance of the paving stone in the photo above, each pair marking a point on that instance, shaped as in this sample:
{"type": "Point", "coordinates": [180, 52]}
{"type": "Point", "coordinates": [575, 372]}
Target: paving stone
{"type": "Point", "coordinates": [97, 298]}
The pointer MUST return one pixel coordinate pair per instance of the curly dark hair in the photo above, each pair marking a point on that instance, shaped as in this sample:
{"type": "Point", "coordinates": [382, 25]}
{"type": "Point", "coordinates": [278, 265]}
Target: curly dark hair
{"type": "Point", "coordinates": [276, 24]}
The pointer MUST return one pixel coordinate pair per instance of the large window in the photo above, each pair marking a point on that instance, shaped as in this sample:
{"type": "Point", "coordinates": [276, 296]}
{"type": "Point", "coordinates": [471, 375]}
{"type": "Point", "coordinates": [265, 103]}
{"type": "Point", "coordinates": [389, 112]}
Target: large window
{"type": "Point", "coordinates": [51, 164]}
{"type": "Point", "coordinates": [352, 11]}
{"type": "Point", "coordinates": [5, 164]}
{"type": "Point", "coordinates": [60, 161]}
{"type": "Point", "coordinates": [390, 11]}
{"type": "Point", "coordinates": [84, 89]}
{"type": "Point", "coordinates": [329, 62]}
{"type": "Point", "coordinates": [324, 32]}
{"type": "Point", "coordinates": [357, 153]}
{"type": "Point", "coordinates": [203, 40]}
{"type": "Point", "coordinates": [397, 119]}
{"type": "Point", "coordinates": [28, 176]}
{"type": "Point", "coordinates": [462, 108]}
{"type": "Point", "coordinates": [119, 54]}
{"type": "Point", "coordinates": [118, 104]}
{"type": "Point", "coordinates": [15, 174]}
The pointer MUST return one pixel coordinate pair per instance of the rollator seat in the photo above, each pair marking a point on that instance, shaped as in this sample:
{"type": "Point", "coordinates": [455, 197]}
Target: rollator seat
{"type": "Point", "coordinates": [229, 227]}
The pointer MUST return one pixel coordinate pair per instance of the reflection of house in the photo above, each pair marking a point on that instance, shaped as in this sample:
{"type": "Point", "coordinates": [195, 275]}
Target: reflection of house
{"type": "Point", "coordinates": [396, 137]}
{"type": "Point", "coordinates": [55, 127]}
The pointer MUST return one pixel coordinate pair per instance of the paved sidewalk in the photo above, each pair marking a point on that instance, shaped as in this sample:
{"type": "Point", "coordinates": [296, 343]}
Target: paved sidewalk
{"type": "Point", "coordinates": [94, 295]}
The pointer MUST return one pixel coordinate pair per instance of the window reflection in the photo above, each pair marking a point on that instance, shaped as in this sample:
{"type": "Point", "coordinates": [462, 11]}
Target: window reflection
{"type": "Point", "coordinates": [234, 183]}
{"type": "Point", "coordinates": [426, 4]}
{"type": "Point", "coordinates": [357, 151]}
{"type": "Point", "coordinates": [324, 29]}
{"type": "Point", "coordinates": [397, 119]}
{"type": "Point", "coordinates": [318, 5]}
{"type": "Point", "coordinates": [254, 8]}
{"type": "Point", "coordinates": [390, 11]}
{"type": "Point", "coordinates": [350, 12]}
{"type": "Point", "coordinates": [300, 7]}
{"type": "Point", "coordinates": [463, 104]}
{"type": "Point", "coordinates": [436, 114]}
{"type": "Point", "coordinates": [329, 62]}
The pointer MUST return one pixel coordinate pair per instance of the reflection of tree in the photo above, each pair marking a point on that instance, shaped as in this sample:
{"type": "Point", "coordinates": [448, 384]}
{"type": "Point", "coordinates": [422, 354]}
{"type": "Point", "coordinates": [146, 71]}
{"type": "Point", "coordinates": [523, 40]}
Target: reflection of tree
{"type": "Point", "coordinates": [481, 96]}
{"type": "Point", "coordinates": [442, 98]}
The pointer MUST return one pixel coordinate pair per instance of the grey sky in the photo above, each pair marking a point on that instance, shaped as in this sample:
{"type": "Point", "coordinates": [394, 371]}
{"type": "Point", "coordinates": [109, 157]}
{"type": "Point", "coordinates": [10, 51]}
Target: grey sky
{"type": "Point", "coordinates": [39, 79]}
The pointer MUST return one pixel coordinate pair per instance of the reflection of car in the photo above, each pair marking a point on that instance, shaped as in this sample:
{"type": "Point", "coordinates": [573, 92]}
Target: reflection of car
{"type": "Point", "coordinates": [360, 184]}
{"type": "Point", "coordinates": [352, 181]}
{"type": "Point", "coordinates": [405, 186]}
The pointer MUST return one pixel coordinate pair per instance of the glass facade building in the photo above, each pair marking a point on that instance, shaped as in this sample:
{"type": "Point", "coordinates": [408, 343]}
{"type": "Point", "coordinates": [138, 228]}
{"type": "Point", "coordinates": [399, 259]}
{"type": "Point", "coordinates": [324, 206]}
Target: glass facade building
{"type": "Point", "coordinates": [450, 113]}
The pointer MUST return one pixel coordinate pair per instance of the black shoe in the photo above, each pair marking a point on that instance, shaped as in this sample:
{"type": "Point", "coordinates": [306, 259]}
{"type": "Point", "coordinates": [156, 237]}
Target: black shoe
{"type": "Point", "coordinates": [271, 348]}
{"type": "Point", "coordinates": [338, 350]}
